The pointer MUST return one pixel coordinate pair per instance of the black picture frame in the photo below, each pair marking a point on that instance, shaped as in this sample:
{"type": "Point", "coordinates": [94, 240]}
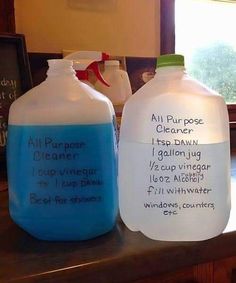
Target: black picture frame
{"type": "Point", "coordinates": [15, 79]}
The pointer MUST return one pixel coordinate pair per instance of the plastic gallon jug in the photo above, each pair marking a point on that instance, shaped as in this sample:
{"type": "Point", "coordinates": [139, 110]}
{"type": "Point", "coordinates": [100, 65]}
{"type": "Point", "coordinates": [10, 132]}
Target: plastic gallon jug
{"type": "Point", "coordinates": [120, 88]}
{"type": "Point", "coordinates": [174, 158]}
{"type": "Point", "coordinates": [61, 158]}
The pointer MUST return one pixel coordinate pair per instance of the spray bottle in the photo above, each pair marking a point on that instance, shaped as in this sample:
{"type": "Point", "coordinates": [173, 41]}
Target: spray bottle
{"type": "Point", "coordinates": [120, 88]}
{"type": "Point", "coordinates": [85, 62]}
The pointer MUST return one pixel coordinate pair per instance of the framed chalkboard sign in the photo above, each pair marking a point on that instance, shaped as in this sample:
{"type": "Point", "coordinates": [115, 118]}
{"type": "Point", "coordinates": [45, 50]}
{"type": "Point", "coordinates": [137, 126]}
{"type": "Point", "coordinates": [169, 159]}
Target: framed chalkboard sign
{"type": "Point", "coordinates": [15, 79]}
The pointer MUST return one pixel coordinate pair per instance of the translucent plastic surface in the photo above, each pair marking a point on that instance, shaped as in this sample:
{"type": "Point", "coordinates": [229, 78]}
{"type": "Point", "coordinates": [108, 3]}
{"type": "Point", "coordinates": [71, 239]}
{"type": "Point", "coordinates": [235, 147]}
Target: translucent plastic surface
{"type": "Point", "coordinates": [62, 180]}
{"type": "Point", "coordinates": [174, 160]}
{"type": "Point", "coordinates": [120, 88]}
{"type": "Point", "coordinates": [61, 157]}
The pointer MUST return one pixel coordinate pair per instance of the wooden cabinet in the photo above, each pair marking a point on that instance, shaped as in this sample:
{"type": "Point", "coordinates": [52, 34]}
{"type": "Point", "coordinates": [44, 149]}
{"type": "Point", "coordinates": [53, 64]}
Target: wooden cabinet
{"type": "Point", "coordinates": [225, 270]}
{"type": "Point", "coordinates": [7, 16]}
{"type": "Point", "coordinates": [220, 271]}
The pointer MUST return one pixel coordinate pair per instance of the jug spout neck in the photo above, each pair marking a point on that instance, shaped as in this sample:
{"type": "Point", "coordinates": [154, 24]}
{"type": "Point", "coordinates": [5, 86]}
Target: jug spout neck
{"type": "Point", "coordinates": [170, 72]}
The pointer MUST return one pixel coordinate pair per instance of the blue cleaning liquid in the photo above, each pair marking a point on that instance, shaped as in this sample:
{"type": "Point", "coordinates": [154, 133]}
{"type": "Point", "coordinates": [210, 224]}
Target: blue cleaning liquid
{"type": "Point", "coordinates": [63, 180]}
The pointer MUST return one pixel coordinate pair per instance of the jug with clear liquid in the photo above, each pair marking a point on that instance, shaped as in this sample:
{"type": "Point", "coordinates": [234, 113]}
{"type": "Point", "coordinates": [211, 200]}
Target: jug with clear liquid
{"type": "Point", "coordinates": [174, 157]}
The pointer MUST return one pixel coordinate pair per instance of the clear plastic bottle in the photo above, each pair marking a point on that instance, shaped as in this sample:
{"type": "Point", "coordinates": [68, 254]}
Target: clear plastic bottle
{"type": "Point", "coordinates": [61, 158]}
{"type": "Point", "coordinates": [174, 157]}
{"type": "Point", "coordinates": [120, 89]}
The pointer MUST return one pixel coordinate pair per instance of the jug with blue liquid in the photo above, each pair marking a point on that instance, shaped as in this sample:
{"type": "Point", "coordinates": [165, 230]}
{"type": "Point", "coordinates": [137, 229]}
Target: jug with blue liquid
{"type": "Point", "coordinates": [61, 157]}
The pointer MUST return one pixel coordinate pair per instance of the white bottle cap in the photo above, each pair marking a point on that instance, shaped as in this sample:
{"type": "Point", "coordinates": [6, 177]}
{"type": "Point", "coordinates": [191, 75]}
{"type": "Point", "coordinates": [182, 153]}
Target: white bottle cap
{"type": "Point", "coordinates": [112, 63]}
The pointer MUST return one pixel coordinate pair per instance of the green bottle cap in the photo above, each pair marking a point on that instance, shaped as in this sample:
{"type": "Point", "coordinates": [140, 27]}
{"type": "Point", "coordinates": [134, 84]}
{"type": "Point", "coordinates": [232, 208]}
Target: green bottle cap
{"type": "Point", "coordinates": [170, 60]}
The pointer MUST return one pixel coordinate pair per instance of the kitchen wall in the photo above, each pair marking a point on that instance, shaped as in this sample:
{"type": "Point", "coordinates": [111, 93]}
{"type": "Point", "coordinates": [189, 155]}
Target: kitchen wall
{"type": "Point", "coordinates": [119, 27]}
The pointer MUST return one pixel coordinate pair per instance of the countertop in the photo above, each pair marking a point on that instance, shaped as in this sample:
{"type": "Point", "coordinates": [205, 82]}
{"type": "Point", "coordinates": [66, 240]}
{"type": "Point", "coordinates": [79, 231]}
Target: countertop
{"type": "Point", "coordinates": [119, 256]}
